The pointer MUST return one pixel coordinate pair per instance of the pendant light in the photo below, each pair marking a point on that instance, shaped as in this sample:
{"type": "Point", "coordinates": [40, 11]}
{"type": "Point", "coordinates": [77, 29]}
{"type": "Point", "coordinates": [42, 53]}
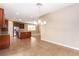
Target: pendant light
{"type": "Point", "coordinates": [39, 21]}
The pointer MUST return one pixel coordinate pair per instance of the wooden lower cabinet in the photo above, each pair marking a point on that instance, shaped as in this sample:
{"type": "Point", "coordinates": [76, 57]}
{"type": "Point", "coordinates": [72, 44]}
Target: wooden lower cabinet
{"type": "Point", "coordinates": [4, 41]}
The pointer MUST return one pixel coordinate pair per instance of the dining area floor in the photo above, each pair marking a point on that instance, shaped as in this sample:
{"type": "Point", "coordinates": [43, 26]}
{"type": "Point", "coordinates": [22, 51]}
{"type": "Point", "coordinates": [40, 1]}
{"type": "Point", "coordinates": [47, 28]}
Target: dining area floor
{"type": "Point", "coordinates": [34, 46]}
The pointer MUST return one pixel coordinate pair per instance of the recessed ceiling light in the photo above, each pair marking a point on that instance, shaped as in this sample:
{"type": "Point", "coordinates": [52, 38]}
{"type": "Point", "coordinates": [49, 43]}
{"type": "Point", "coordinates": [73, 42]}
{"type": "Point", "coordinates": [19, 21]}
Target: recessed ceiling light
{"type": "Point", "coordinates": [17, 13]}
{"type": "Point", "coordinates": [45, 22]}
{"type": "Point", "coordinates": [20, 19]}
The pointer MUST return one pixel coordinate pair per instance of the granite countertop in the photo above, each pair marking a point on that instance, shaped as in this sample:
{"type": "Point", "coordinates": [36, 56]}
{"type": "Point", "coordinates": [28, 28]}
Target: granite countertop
{"type": "Point", "coordinates": [4, 34]}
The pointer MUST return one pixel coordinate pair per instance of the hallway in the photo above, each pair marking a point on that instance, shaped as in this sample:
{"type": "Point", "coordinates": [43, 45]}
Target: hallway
{"type": "Point", "coordinates": [36, 47]}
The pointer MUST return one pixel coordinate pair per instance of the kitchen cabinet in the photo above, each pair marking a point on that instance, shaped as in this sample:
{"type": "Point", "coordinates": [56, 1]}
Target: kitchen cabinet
{"type": "Point", "coordinates": [5, 29]}
{"type": "Point", "coordinates": [2, 20]}
{"type": "Point", "coordinates": [4, 41]}
{"type": "Point", "coordinates": [19, 24]}
{"type": "Point", "coordinates": [4, 36]}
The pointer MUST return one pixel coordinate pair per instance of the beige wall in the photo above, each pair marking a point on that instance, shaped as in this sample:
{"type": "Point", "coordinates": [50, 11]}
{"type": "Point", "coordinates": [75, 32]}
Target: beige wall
{"type": "Point", "coordinates": [35, 32]}
{"type": "Point", "coordinates": [25, 28]}
{"type": "Point", "coordinates": [1, 6]}
{"type": "Point", "coordinates": [10, 28]}
{"type": "Point", "coordinates": [62, 26]}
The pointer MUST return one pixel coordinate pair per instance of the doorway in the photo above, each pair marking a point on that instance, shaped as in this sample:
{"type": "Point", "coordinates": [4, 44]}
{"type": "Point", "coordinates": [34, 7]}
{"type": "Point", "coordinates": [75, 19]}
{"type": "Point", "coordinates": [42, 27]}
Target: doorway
{"type": "Point", "coordinates": [16, 31]}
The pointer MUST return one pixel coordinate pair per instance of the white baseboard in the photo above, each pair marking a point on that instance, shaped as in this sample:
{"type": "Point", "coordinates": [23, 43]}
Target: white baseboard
{"type": "Point", "coordinates": [61, 44]}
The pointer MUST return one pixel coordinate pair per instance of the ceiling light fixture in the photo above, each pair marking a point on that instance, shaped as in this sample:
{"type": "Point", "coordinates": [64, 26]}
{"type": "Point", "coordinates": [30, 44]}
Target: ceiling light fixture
{"type": "Point", "coordinates": [20, 19]}
{"type": "Point", "coordinates": [17, 13]}
{"type": "Point", "coordinates": [39, 21]}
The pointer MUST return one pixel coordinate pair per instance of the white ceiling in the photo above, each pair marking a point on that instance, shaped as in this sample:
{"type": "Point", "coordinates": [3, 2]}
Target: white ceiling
{"type": "Point", "coordinates": [30, 11]}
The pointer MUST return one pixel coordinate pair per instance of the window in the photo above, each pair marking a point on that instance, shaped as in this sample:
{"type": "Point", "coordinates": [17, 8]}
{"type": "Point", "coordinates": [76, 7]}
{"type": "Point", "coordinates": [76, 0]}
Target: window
{"type": "Point", "coordinates": [31, 27]}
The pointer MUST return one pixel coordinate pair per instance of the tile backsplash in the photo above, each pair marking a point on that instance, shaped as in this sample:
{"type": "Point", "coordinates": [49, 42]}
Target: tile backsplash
{"type": "Point", "coordinates": [3, 32]}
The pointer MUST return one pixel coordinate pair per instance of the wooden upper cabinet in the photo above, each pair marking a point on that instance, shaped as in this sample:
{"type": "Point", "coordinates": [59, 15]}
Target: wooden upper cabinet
{"type": "Point", "coordinates": [19, 24]}
{"type": "Point", "coordinates": [2, 20]}
{"type": "Point", "coordinates": [5, 28]}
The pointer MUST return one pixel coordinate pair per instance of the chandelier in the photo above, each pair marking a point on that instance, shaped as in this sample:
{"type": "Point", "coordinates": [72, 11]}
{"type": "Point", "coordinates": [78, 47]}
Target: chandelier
{"type": "Point", "coordinates": [39, 21]}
